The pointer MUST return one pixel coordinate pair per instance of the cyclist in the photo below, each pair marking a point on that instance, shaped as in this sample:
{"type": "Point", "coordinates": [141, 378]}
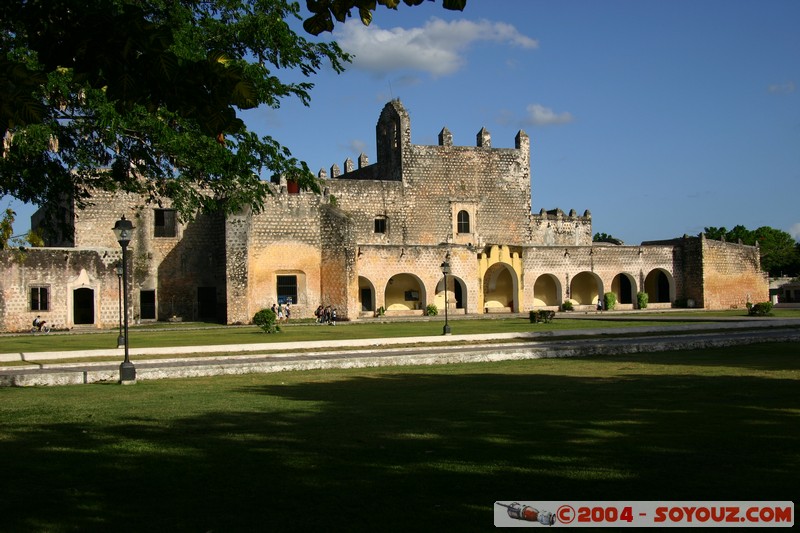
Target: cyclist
{"type": "Point", "coordinates": [39, 324]}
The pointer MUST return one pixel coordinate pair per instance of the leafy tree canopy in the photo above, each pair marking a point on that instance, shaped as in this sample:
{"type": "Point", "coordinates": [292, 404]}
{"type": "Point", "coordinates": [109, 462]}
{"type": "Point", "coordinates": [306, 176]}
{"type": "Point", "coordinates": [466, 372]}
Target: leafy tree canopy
{"type": "Point", "coordinates": [324, 11]}
{"type": "Point", "coordinates": [780, 253]}
{"type": "Point", "coordinates": [7, 239]}
{"type": "Point", "coordinates": [148, 91]}
{"type": "Point", "coordinates": [604, 237]}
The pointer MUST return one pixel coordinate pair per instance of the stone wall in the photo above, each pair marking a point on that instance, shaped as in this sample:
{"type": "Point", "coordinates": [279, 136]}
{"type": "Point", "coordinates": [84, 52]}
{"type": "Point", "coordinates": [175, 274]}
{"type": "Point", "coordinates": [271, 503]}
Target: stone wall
{"type": "Point", "coordinates": [379, 231]}
{"type": "Point", "coordinates": [283, 239]}
{"type": "Point", "coordinates": [61, 272]}
{"type": "Point", "coordinates": [732, 275]}
{"type": "Point", "coordinates": [554, 228]}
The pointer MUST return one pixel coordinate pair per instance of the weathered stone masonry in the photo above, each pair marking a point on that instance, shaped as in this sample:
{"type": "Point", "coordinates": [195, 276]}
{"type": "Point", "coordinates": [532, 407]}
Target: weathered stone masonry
{"type": "Point", "coordinates": [374, 239]}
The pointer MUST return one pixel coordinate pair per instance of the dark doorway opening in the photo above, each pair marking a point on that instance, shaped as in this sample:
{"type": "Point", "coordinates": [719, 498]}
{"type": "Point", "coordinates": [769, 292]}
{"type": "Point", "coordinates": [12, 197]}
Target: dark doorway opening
{"type": "Point", "coordinates": [366, 300]}
{"type": "Point", "coordinates": [625, 290]}
{"type": "Point", "coordinates": [147, 305]}
{"type": "Point", "coordinates": [207, 303]}
{"type": "Point", "coordinates": [459, 295]}
{"type": "Point", "coordinates": [83, 306]}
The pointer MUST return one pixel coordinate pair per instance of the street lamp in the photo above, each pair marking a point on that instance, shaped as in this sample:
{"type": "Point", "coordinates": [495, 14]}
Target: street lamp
{"type": "Point", "coordinates": [123, 229]}
{"type": "Point", "coordinates": [120, 338]}
{"type": "Point", "coordinates": [446, 270]}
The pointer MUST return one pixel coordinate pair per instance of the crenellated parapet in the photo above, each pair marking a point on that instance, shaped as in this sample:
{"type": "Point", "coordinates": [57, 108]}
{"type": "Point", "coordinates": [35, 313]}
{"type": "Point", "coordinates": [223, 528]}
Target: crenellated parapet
{"type": "Point", "coordinates": [394, 149]}
{"type": "Point", "coordinates": [555, 228]}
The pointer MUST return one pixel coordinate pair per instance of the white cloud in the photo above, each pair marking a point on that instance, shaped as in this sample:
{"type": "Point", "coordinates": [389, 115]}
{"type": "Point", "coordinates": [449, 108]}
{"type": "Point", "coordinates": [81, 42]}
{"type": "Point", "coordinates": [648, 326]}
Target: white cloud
{"type": "Point", "coordinates": [437, 47]}
{"type": "Point", "coordinates": [783, 88]}
{"type": "Point", "coordinates": [539, 115]}
{"type": "Point", "coordinates": [355, 146]}
{"type": "Point", "coordinates": [794, 231]}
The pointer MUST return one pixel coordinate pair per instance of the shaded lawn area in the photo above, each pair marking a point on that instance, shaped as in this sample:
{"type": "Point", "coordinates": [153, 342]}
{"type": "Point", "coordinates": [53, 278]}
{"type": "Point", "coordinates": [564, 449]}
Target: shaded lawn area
{"type": "Point", "coordinates": [401, 448]}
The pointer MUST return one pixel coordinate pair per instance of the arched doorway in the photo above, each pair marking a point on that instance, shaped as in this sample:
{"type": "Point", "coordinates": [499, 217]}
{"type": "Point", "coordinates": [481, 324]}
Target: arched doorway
{"type": "Point", "coordinates": [83, 306]}
{"type": "Point", "coordinates": [658, 286]}
{"type": "Point", "coordinates": [455, 293]}
{"type": "Point", "coordinates": [546, 291]}
{"type": "Point", "coordinates": [500, 289]}
{"type": "Point", "coordinates": [459, 293]}
{"type": "Point", "coordinates": [585, 288]}
{"type": "Point", "coordinates": [622, 285]}
{"type": "Point", "coordinates": [404, 292]}
{"type": "Point", "coordinates": [366, 295]}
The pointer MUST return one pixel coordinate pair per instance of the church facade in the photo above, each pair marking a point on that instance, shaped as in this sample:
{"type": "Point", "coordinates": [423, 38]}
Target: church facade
{"type": "Point", "coordinates": [372, 243]}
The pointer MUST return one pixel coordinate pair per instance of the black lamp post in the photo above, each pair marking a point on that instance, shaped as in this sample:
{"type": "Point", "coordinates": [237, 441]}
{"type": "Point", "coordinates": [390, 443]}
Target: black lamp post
{"type": "Point", "coordinates": [123, 229]}
{"type": "Point", "coordinates": [446, 270]}
{"type": "Point", "coordinates": [120, 338]}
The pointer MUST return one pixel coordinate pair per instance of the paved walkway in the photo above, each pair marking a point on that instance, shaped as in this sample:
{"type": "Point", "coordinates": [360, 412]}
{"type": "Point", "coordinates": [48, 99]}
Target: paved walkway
{"type": "Point", "coordinates": [359, 353]}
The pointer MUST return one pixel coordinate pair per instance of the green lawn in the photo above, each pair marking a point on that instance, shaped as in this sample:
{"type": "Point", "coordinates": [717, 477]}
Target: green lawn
{"type": "Point", "coordinates": [193, 335]}
{"type": "Point", "coordinates": [400, 449]}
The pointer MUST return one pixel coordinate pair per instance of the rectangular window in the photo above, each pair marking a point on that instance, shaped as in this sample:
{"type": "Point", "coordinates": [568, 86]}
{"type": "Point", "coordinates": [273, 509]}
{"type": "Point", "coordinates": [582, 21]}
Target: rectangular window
{"type": "Point", "coordinates": [380, 225]}
{"type": "Point", "coordinates": [287, 289]}
{"type": "Point", "coordinates": [164, 225]}
{"type": "Point", "coordinates": [412, 296]}
{"type": "Point", "coordinates": [40, 299]}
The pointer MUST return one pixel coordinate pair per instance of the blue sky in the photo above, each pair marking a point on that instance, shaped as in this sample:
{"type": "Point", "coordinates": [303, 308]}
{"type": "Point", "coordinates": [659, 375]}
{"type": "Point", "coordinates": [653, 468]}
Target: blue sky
{"type": "Point", "coordinates": [660, 117]}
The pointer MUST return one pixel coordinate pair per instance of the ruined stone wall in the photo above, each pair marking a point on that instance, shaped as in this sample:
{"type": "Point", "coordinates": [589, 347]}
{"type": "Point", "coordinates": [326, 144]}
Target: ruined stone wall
{"type": "Point", "coordinates": [491, 184]}
{"type": "Point", "coordinates": [366, 200]}
{"type": "Point", "coordinates": [603, 263]}
{"type": "Point", "coordinates": [93, 226]}
{"type": "Point", "coordinates": [283, 239]}
{"type": "Point", "coordinates": [689, 260]}
{"type": "Point", "coordinates": [177, 267]}
{"type": "Point", "coordinates": [61, 271]}
{"type": "Point", "coordinates": [237, 233]}
{"type": "Point", "coordinates": [172, 266]}
{"type": "Point", "coordinates": [380, 264]}
{"type": "Point", "coordinates": [732, 275]}
{"type": "Point", "coordinates": [438, 181]}
{"type": "Point", "coordinates": [554, 228]}
{"type": "Point", "coordinates": [338, 275]}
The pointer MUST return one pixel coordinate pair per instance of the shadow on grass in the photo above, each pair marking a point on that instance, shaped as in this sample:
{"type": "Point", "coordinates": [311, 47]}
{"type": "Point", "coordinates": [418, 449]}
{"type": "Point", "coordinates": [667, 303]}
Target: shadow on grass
{"type": "Point", "coordinates": [403, 450]}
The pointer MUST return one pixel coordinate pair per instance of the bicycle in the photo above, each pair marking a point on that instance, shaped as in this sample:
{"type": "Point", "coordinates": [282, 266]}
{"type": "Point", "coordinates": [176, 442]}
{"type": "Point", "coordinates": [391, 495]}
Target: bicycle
{"type": "Point", "coordinates": [41, 328]}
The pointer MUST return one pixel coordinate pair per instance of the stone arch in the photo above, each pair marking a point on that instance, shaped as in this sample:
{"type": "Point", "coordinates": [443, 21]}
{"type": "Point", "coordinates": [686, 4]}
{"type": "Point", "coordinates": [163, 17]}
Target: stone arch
{"type": "Point", "coordinates": [547, 291]}
{"type": "Point", "coordinates": [500, 289]}
{"type": "Point", "coordinates": [502, 264]}
{"type": "Point", "coordinates": [456, 293]}
{"type": "Point", "coordinates": [659, 286]}
{"type": "Point", "coordinates": [585, 288]}
{"type": "Point", "coordinates": [624, 286]}
{"type": "Point", "coordinates": [404, 292]}
{"type": "Point", "coordinates": [366, 295]}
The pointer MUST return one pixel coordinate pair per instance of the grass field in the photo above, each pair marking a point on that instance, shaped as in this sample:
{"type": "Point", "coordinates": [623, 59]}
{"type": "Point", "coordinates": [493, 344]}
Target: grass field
{"type": "Point", "coordinates": [400, 449]}
{"type": "Point", "coordinates": [189, 334]}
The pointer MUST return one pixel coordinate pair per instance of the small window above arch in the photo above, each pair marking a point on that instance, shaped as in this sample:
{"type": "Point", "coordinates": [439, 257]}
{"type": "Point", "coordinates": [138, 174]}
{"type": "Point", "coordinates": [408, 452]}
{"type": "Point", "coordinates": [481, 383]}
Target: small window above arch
{"type": "Point", "coordinates": [462, 222]}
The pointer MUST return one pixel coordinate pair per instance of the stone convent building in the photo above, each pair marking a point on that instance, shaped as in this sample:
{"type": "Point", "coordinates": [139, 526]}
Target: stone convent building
{"type": "Point", "coordinates": [374, 239]}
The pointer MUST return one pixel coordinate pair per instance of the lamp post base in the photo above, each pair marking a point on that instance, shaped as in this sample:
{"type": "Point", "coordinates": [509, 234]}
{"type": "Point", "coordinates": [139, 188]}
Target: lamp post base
{"type": "Point", "coordinates": [446, 329]}
{"type": "Point", "coordinates": [120, 341]}
{"type": "Point", "coordinates": [127, 373]}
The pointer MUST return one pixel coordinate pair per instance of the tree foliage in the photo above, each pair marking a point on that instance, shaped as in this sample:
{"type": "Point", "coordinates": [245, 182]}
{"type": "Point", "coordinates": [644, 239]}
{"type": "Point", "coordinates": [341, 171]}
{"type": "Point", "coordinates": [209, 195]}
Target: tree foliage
{"type": "Point", "coordinates": [604, 237]}
{"type": "Point", "coordinates": [6, 227]}
{"type": "Point", "coordinates": [148, 91]}
{"type": "Point", "coordinates": [780, 253]}
{"type": "Point", "coordinates": [7, 239]}
{"type": "Point", "coordinates": [325, 11]}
